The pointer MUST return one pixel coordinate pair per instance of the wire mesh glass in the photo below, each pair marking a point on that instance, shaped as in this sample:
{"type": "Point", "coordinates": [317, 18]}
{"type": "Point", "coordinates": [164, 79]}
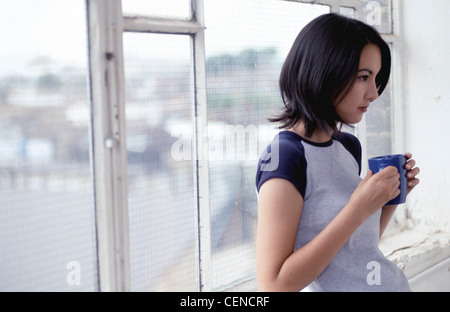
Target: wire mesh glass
{"type": "Point", "coordinates": [162, 188]}
{"type": "Point", "coordinates": [47, 216]}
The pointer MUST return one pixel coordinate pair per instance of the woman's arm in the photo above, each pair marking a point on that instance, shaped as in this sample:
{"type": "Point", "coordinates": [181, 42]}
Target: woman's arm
{"type": "Point", "coordinates": [279, 268]}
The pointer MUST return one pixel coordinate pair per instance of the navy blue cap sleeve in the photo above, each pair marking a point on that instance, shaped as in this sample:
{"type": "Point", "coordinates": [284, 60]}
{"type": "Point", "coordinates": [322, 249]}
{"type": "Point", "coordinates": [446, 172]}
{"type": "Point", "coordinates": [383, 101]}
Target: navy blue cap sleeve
{"type": "Point", "coordinates": [284, 158]}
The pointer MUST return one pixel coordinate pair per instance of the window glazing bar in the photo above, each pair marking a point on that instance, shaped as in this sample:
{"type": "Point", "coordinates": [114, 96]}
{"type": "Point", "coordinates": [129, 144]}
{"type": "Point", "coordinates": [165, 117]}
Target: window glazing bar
{"type": "Point", "coordinates": [201, 117]}
{"type": "Point", "coordinates": [166, 26]}
{"type": "Point", "coordinates": [109, 146]}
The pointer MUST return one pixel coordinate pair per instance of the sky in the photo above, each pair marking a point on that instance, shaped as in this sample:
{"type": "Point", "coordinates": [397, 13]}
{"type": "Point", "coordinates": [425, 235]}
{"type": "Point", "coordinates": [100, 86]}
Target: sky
{"type": "Point", "coordinates": [255, 23]}
{"type": "Point", "coordinates": [28, 34]}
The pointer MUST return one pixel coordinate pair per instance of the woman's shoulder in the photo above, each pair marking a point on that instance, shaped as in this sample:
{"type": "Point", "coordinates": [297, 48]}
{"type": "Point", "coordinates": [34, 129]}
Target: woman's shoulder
{"type": "Point", "coordinates": [284, 158]}
{"type": "Point", "coordinates": [288, 144]}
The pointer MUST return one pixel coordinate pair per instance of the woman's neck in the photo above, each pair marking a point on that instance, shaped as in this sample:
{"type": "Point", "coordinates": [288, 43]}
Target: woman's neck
{"type": "Point", "coordinates": [318, 136]}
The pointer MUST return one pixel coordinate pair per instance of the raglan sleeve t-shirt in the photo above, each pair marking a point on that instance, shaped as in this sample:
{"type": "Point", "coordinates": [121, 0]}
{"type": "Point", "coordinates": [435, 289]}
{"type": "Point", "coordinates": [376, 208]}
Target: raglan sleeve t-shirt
{"type": "Point", "coordinates": [285, 158]}
{"type": "Point", "coordinates": [326, 174]}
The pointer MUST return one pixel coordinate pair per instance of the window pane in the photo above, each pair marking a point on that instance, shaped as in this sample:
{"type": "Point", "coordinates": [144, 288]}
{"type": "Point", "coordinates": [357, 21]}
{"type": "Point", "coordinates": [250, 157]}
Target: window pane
{"type": "Point", "coordinates": [47, 224]}
{"type": "Point", "coordinates": [378, 14]}
{"type": "Point", "coordinates": [246, 44]}
{"type": "Point", "coordinates": [180, 9]}
{"type": "Point", "coordinates": [378, 126]}
{"type": "Point", "coordinates": [162, 193]}
{"type": "Point", "coordinates": [347, 11]}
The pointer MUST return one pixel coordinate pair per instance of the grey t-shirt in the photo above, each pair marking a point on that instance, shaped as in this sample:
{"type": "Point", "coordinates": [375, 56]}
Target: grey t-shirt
{"type": "Point", "coordinates": [326, 174]}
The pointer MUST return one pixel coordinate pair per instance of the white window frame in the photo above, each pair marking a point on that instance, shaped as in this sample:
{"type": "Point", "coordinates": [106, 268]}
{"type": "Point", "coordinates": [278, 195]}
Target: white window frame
{"type": "Point", "coordinates": [109, 145]}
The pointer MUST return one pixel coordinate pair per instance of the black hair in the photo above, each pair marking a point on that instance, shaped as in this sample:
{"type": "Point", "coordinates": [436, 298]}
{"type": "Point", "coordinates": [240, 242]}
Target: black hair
{"type": "Point", "coordinates": [322, 65]}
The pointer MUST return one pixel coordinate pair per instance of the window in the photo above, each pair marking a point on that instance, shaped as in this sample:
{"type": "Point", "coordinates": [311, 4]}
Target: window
{"type": "Point", "coordinates": [129, 148]}
{"type": "Point", "coordinates": [170, 140]}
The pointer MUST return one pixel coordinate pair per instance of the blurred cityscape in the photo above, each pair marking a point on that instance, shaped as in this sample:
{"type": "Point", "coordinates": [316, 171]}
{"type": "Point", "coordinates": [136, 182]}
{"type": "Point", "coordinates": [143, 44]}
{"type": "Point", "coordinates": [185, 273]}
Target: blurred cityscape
{"type": "Point", "coordinates": [45, 139]}
{"type": "Point", "coordinates": [45, 134]}
{"type": "Point", "coordinates": [45, 114]}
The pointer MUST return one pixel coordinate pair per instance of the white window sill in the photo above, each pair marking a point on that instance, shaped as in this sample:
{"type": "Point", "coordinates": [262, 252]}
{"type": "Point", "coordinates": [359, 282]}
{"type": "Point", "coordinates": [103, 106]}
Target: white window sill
{"type": "Point", "coordinates": [247, 286]}
{"type": "Point", "coordinates": [416, 249]}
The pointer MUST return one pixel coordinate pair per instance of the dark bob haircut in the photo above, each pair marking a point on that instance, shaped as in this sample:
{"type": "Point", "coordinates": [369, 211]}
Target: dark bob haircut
{"type": "Point", "coordinates": [321, 66]}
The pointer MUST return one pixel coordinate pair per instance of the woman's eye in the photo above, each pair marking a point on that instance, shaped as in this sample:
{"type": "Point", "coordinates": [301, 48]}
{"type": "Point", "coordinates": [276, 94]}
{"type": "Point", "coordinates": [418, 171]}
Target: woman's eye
{"type": "Point", "coordinates": [363, 78]}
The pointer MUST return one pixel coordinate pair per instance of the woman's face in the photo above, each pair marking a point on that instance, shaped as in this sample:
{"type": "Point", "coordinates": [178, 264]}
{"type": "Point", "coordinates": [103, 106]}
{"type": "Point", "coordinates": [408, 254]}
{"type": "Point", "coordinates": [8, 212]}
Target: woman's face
{"type": "Point", "coordinates": [352, 107]}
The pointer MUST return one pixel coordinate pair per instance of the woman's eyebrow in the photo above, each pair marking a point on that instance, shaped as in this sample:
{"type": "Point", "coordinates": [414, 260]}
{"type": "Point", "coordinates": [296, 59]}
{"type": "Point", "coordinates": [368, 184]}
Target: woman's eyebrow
{"type": "Point", "coordinates": [366, 69]}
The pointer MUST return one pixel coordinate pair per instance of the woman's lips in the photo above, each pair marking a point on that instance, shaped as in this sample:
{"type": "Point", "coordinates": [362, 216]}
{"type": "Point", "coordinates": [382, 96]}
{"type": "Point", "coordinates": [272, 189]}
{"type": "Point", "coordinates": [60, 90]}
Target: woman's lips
{"type": "Point", "coordinates": [363, 109]}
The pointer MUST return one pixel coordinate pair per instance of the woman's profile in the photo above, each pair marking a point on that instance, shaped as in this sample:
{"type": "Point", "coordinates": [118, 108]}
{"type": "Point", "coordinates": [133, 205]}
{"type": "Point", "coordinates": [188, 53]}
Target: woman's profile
{"type": "Point", "coordinates": [319, 223]}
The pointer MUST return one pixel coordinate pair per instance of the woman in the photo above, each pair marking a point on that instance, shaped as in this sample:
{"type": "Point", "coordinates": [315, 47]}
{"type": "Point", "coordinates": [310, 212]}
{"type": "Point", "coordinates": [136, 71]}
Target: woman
{"type": "Point", "coordinates": [319, 223]}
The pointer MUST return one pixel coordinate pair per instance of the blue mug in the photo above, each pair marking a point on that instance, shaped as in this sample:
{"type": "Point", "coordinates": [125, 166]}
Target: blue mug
{"type": "Point", "coordinates": [377, 164]}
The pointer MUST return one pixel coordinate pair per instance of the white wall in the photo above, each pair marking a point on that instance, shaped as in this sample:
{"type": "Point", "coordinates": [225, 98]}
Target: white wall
{"type": "Point", "coordinates": [426, 42]}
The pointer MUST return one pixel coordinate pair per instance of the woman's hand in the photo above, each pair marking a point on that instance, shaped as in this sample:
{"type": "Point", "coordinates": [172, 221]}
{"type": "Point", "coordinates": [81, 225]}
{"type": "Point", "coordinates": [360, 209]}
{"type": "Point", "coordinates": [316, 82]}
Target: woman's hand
{"type": "Point", "coordinates": [412, 172]}
{"type": "Point", "coordinates": [375, 190]}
